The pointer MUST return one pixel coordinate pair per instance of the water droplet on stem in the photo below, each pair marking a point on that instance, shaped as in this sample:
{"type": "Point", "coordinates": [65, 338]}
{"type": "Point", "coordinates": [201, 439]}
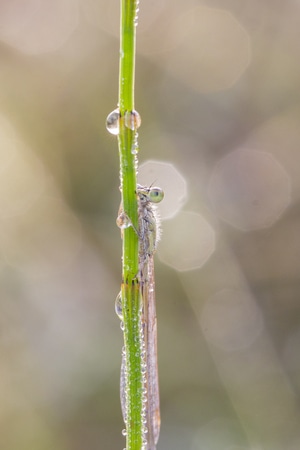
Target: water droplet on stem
{"type": "Point", "coordinates": [118, 306]}
{"type": "Point", "coordinates": [113, 122]}
{"type": "Point", "coordinates": [123, 221]}
{"type": "Point", "coordinates": [132, 120]}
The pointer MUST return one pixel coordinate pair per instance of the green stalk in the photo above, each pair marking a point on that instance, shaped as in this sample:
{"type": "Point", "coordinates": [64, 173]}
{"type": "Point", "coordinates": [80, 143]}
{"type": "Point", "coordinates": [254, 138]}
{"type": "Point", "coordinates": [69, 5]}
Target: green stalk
{"type": "Point", "coordinates": [130, 287]}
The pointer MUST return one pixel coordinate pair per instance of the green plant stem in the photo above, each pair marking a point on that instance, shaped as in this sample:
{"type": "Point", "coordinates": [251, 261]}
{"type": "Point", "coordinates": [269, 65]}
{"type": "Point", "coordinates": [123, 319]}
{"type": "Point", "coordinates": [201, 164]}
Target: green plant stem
{"type": "Point", "coordinates": [130, 286]}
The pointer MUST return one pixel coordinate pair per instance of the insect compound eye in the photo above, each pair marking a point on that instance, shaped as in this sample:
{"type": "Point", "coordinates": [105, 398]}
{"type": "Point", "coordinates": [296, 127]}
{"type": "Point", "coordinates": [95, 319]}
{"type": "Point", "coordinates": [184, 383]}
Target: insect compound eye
{"type": "Point", "coordinates": [156, 195]}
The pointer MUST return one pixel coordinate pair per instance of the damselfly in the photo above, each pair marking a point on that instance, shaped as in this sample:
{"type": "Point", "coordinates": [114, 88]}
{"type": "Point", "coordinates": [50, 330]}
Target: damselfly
{"type": "Point", "coordinates": [148, 234]}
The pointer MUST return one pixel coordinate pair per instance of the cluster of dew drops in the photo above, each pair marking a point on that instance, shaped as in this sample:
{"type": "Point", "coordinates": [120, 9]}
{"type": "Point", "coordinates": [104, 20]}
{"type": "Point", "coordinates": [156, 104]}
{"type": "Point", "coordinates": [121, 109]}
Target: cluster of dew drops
{"type": "Point", "coordinates": [132, 120]}
{"type": "Point", "coordinates": [119, 312]}
{"type": "Point", "coordinates": [144, 420]}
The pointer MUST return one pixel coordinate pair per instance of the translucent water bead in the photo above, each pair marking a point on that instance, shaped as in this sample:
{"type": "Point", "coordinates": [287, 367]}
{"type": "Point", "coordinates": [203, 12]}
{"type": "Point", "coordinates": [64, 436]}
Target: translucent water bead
{"type": "Point", "coordinates": [132, 120]}
{"type": "Point", "coordinates": [113, 122]}
{"type": "Point", "coordinates": [118, 306]}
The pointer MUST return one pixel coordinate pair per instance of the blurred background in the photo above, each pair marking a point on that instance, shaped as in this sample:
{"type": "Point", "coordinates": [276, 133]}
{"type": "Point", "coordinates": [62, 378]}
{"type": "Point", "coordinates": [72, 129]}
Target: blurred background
{"type": "Point", "coordinates": [218, 90]}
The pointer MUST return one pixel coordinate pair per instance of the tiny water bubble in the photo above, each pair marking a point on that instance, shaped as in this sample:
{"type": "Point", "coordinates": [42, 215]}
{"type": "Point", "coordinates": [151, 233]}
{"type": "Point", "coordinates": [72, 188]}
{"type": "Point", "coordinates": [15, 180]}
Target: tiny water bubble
{"type": "Point", "coordinates": [132, 120]}
{"type": "Point", "coordinates": [134, 149]}
{"type": "Point", "coordinates": [122, 326]}
{"type": "Point", "coordinates": [124, 432]}
{"type": "Point", "coordinates": [113, 122]}
{"type": "Point", "coordinates": [144, 408]}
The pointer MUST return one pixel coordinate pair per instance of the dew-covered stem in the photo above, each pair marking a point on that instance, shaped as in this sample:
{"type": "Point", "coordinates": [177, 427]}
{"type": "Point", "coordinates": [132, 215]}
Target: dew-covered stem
{"type": "Point", "coordinates": [135, 305]}
{"type": "Point", "coordinates": [130, 291]}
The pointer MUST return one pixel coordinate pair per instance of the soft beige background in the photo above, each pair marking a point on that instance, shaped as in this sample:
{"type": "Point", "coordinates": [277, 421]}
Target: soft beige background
{"type": "Point", "coordinates": [218, 89]}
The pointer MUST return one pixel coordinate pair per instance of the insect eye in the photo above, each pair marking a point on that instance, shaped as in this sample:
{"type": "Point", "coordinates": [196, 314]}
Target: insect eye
{"type": "Point", "coordinates": [156, 195]}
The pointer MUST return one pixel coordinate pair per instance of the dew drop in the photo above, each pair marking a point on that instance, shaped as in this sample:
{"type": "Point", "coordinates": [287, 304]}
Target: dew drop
{"type": "Point", "coordinates": [124, 432]}
{"type": "Point", "coordinates": [123, 221]}
{"type": "Point", "coordinates": [134, 149]}
{"type": "Point", "coordinates": [113, 122]}
{"type": "Point", "coordinates": [118, 306]}
{"type": "Point", "coordinates": [122, 326]}
{"type": "Point", "coordinates": [132, 120]}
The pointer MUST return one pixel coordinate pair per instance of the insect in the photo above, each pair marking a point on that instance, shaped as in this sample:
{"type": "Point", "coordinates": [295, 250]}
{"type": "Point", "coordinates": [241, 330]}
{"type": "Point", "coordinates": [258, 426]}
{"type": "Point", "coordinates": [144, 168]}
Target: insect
{"type": "Point", "coordinates": [148, 234]}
